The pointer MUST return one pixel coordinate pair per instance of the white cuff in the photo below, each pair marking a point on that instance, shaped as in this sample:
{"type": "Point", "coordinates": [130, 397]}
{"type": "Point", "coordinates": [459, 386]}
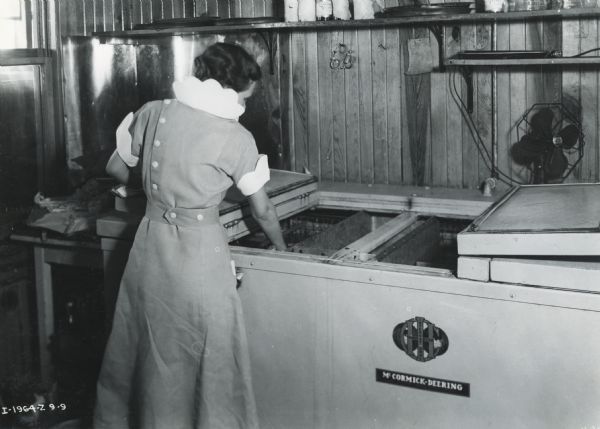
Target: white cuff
{"type": "Point", "coordinates": [251, 182]}
{"type": "Point", "coordinates": [124, 142]}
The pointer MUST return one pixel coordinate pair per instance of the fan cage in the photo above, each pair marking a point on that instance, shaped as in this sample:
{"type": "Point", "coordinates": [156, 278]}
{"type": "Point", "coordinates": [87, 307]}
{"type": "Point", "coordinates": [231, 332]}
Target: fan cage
{"type": "Point", "coordinates": [565, 117]}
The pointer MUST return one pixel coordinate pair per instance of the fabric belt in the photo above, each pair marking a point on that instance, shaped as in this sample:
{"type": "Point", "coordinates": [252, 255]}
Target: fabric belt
{"type": "Point", "coordinates": [182, 216]}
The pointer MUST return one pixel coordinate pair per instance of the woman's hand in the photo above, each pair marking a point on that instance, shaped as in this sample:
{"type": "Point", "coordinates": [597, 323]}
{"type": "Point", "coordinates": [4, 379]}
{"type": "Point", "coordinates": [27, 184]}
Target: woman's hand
{"type": "Point", "coordinates": [265, 214]}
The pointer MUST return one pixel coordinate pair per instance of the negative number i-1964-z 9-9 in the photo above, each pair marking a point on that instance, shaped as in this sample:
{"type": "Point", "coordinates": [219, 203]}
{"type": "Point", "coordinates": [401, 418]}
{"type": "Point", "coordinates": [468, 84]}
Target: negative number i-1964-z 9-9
{"type": "Point", "coordinates": [18, 409]}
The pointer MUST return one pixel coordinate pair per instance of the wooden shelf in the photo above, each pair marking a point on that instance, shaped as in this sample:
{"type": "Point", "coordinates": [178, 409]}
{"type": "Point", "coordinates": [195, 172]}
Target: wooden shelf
{"type": "Point", "coordinates": [133, 36]}
{"type": "Point", "coordinates": [558, 61]}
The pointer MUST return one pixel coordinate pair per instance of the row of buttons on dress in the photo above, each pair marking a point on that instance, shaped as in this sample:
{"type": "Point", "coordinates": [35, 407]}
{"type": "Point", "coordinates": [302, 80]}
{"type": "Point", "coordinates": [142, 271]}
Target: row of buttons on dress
{"type": "Point", "coordinates": [157, 143]}
{"type": "Point", "coordinates": [154, 164]}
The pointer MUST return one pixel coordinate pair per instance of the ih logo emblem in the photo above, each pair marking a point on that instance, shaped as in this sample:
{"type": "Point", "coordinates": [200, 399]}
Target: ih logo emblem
{"type": "Point", "coordinates": [420, 339]}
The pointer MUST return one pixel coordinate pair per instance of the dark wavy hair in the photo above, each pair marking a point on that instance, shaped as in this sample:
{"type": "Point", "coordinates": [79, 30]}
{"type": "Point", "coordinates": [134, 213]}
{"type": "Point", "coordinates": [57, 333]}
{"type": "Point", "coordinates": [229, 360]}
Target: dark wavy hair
{"type": "Point", "coordinates": [228, 64]}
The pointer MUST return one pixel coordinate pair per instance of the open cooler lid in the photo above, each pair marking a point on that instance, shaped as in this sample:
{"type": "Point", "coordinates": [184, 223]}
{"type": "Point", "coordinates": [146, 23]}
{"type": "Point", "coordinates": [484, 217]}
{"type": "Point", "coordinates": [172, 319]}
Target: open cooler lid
{"type": "Point", "coordinates": [281, 182]}
{"type": "Point", "coordinates": [544, 220]}
{"type": "Point", "coordinates": [290, 192]}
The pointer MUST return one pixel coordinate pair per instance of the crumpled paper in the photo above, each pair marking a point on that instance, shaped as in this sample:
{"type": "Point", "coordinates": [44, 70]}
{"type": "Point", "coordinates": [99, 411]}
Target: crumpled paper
{"type": "Point", "coordinates": [74, 213]}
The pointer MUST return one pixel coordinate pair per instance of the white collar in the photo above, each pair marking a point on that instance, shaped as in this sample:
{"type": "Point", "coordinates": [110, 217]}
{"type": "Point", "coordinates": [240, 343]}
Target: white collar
{"type": "Point", "coordinates": [209, 96]}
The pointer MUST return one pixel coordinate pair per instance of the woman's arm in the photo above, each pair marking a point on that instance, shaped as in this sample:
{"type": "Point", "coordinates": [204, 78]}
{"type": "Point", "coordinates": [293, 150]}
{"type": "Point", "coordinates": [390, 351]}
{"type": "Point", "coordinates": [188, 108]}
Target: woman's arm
{"type": "Point", "coordinates": [265, 214]}
{"type": "Point", "coordinates": [117, 169]}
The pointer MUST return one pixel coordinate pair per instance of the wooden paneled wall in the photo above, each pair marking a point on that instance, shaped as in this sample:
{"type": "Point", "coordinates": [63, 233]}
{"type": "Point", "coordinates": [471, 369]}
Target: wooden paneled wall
{"type": "Point", "coordinates": [372, 123]}
{"type": "Point", "coordinates": [83, 17]}
{"type": "Point", "coordinates": [375, 124]}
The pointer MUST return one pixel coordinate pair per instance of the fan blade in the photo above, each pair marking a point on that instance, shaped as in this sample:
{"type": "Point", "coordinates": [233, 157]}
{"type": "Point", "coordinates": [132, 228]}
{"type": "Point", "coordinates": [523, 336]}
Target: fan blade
{"type": "Point", "coordinates": [527, 150]}
{"type": "Point", "coordinates": [555, 165]}
{"type": "Point", "coordinates": [569, 136]}
{"type": "Point", "coordinates": [540, 124]}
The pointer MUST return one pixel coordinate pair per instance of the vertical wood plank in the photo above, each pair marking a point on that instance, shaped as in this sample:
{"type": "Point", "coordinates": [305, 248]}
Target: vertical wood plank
{"type": "Point", "coordinates": [483, 121]}
{"type": "Point", "coordinates": [454, 119]}
{"type": "Point", "coordinates": [552, 35]}
{"type": "Point", "coordinates": [98, 11]}
{"type": "Point", "coordinates": [439, 125]}
{"type": "Point", "coordinates": [135, 11]}
{"type": "Point", "coordinates": [394, 101]}
{"type": "Point", "coordinates": [212, 7]}
{"type": "Point", "coordinates": [470, 154]}
{"type": "Point", "coordinates": [188, 8]}
{"type": "Point", "coordinates": [177, 9]}
{"type": "Point", "coordinates": [144, 12]}
{"type": "Point", "coordinates": [73, 18]}
{"type": "Point", "coordinates": [533, 81]}
{"type": "Point", "coordinates": [121, 19]}
{"type": "Point", "coordinates": [128, 15]}
{"type": "Point", "coordinates": [518, 100]}
{"type": "Point", "coordinates": [224, 9]}
{"type": "Point", "coordinates": [379, 73]}
{"type": "Point", "coordinates": [108, 15]}
{"type": "Point", "coordinates": [271, 9]}
{"type": "Point", "coordinates": [201, 7]}
{"type": "Point", "coordinates": [571, 78]}
{"type": "Point", "coordinates": [365, 95]}
{"type": "Point", "coordinates": [353, 123]}
{"type": "Point", "coordinates": [407, 169]}
{"type": "Point", "coordinates": [247, 8]}
{"type": "Point", "coordinates": [313, 96]}
{"type": "Point", "coordinates": [235, 8]}
{"type": "Point", "coordinates": [484, 117]}
{"type": "Point", "coordinates": [285, 101]}
{"type": "Point", "coordinates": [299, 101]}
{"type": "Point", "coordinates": [157, 9]}
{"type": "Point", "coordinates": [589, 104]}
{"type": "Point", "coordinates": [88, 17]}
{"type": "Point", "coordinates": [395, 90]}
{"type": "Point", "coordinates": [339, 115]}
{"type": "Point", "coordinates": [503, 131]}
{"type": "Point", "coordinates": [326, 95]}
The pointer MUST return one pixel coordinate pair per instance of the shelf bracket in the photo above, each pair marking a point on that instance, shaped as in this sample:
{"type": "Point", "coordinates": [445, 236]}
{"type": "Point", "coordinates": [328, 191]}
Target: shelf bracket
{"type": "Point", "coordinates": [438, 31]}
{"type": "Point", "coordinates": [270, 39]}
{"type": "Point", "coordinates": [467, 74]}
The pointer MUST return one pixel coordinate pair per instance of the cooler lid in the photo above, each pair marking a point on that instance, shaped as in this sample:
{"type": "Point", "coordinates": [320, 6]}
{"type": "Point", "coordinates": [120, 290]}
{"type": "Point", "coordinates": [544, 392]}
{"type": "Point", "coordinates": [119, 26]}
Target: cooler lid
{"type": "Point", "coordinates": [553, 220]}
{"type": "Point", "coordinates": [281, 182]}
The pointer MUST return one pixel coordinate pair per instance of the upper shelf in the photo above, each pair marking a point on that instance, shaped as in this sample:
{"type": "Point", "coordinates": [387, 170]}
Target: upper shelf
{"type": "Point", "coordinates": [130, 36]}
{"type": "Point", "coordinates": [558, 61]}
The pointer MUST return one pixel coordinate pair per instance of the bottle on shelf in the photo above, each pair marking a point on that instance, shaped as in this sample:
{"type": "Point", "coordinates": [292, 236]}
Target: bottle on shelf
{"type": "Point", "coordinates": [306, 10]}
{"type": "Point", "coordinates": [324, 10]}
{"type": "Point", "coordinates": [291, 10]}
{"type": "Point", "coordinates": [341, 9]}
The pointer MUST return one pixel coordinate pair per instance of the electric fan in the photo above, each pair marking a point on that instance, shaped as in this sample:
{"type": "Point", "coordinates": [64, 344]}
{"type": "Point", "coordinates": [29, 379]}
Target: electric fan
{"type": "Point", "coordinates": [550, 142]}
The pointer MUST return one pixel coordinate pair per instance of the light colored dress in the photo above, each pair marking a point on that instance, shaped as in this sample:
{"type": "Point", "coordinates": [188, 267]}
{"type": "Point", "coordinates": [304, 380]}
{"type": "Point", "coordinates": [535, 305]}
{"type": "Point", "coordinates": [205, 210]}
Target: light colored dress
{"type": "Point", "coordinates": [177, 356]}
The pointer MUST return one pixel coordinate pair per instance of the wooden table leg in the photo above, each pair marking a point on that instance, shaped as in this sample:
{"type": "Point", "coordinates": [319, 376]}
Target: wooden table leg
{"type": "Point", "coordinates": [45, 309]}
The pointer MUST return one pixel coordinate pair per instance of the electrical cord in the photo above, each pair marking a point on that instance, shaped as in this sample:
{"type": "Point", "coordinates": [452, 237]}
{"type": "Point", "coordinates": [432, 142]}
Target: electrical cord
{"type": "Point", "coordinates": [483, 152]}
{"type": "Point", "coordinates": [479, 143]}
{"type": "Point", "coordinates": [487, 159]}
{"type": "Point", "coordinates": [581, 54]}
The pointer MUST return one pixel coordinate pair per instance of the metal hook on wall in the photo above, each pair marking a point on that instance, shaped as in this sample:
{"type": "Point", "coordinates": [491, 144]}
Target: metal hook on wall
{"type": "Point", "coordinates": [341, 58]}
